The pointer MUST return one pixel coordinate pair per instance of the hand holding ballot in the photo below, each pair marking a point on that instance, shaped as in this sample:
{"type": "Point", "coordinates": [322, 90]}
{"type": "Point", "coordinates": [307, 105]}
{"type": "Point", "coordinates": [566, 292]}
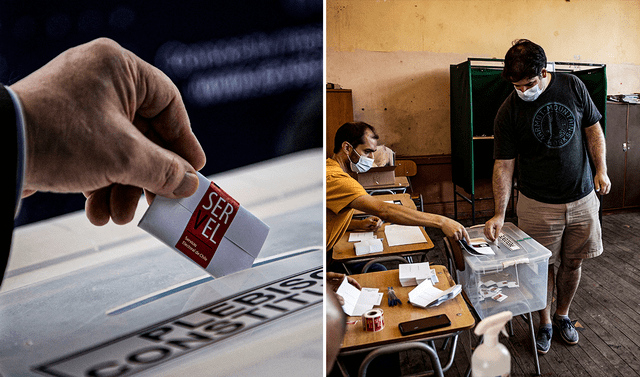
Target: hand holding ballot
{"type": "Point", "coordinates": [334, 280]}
{"type": "Point", "coordinates": [101, 121]}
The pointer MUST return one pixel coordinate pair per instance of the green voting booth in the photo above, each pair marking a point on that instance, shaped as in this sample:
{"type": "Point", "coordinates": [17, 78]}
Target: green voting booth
{"type": "Point", "coordinates": [477, 91]}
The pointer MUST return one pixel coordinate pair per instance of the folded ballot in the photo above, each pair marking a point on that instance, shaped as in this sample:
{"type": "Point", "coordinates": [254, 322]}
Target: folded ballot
{"type": "Point", "coordinates": [368, 246]}
{"type": "Point", "coordinates": [425, 294]}
{"type": "Point", "coordinates": [210, 228]}
{"type": "Point", "coordinates": [356, 301]}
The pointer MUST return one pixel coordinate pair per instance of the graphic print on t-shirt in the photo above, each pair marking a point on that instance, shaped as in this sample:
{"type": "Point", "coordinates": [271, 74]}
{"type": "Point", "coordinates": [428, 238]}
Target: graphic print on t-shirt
{"type": "Point", "coordinates": [554, 125]}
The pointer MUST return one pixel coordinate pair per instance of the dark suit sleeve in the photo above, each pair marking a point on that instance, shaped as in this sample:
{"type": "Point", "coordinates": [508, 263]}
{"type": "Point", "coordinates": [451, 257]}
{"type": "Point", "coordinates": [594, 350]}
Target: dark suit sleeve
{"type": "Point", "coordinates": [9, 142]}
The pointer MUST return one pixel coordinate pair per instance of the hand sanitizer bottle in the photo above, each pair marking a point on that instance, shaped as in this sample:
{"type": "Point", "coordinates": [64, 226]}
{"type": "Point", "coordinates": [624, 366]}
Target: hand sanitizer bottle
{"type": "Point", "coordinates": [491, 358]}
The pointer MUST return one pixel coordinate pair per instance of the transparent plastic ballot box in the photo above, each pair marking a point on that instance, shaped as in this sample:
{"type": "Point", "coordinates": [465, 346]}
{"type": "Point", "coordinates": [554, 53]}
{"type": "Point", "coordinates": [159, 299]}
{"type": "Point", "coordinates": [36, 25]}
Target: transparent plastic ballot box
{"type": "Point", "coordinates": [514, 280]}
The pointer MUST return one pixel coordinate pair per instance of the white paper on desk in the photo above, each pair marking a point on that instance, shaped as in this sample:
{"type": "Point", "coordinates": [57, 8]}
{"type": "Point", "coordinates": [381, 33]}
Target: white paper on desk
{"type": "Point", "coordinates": [413, 273]}
{"type": "Point", "coordinates": [424, 294]}
{"type": "Point", "coordinates": [361, 236]}
{"type": "Point", "coordinates": [357, 302]}
{"type": "Point", "coordinates": [368, 246]}
{"type": "Point", "coordinates": [403, 235]}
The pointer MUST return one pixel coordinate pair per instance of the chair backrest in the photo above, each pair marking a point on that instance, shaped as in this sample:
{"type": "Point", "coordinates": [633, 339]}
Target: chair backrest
{"type": "Point", "coordinates": [454, 256]}
{"type": "Point", "coordinates": [387, 258]}
{"type": "Point", "coordinates": [406, 168]}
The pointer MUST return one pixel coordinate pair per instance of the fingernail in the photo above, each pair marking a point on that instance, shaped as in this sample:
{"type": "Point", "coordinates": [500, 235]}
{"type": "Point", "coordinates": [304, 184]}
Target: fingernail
{"type": "Point", "coordinates": [188, 186]}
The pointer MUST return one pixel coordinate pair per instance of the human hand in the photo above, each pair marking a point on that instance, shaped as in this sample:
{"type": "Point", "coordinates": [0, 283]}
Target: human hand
{"type": "Point", "coordinates": [334, 280]}
{"type": "Point", "coordinates": [101, 121]}
{"type": "Point", "coordinates": [371, 223]}
{"type": "Point", "coordinates": [493, 227]}
{"type": "Point", "coordinates": [602, 183]}
{"type": "Point", "coordinates": [454, 229]}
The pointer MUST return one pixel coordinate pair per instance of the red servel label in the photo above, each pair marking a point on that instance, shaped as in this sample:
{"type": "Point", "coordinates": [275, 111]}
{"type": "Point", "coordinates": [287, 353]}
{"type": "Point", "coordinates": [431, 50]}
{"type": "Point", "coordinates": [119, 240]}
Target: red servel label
{"type": "Point", "coordinates": [207, 226]}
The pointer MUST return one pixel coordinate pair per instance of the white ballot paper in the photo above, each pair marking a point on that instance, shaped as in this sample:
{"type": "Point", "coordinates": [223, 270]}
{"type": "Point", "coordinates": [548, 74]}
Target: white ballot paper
{"type": "Point", "coordinates": [413, 273]}
{"type": "Point", "coordinates": [210, 228]}
{"type": "Point", "coordinates": [481, 246]}
{"type": "Point", "coordinates": [425, 294]}
{"type": "Point", "coordinates": [403, 235]}
{"type": "Point", "coordinates": [361, 236]}
{"type": "Point", "coordinates": [357, 302]}
{"type": "Point", "coordinates": [369, 246]}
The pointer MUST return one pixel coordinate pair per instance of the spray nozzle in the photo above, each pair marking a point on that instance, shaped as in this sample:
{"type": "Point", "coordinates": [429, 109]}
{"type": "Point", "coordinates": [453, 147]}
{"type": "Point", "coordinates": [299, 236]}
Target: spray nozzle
{"type": "Point", "coordinates": [492, 325]}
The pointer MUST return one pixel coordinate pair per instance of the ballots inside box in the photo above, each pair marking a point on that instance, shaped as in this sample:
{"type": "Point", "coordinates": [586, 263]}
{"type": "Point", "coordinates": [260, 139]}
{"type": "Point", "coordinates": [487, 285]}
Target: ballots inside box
{"type": "Point", "coordinates": [210, 228]}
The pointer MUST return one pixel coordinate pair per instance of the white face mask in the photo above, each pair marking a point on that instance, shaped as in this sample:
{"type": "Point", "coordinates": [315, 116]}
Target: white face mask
{"type": "Point", "coordinates": [363, 165]}
{"type": "Point", "coordinates": [530, 94]}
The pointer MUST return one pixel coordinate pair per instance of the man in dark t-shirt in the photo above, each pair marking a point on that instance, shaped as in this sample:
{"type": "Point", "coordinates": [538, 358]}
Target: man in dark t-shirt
{"type": "Point", "coordinates": [550, 125]}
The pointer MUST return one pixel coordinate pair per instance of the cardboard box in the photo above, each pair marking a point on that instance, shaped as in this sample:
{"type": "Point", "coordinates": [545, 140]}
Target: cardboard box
{"type": "Point", "coordinates": [380, 176]}
{"type": "Point", "coordinates": [210, 228]}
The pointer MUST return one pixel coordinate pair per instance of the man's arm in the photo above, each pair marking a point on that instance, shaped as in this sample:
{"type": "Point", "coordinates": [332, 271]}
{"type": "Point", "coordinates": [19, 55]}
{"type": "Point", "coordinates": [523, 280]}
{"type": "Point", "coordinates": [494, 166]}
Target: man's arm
{"type": "Point", "coordinates": [370, 224]}
{"type": "Point", "coordinates": [405, 216]}
{"type": "Point", "coordinates": [598, 151]}
{"type": "Point", "coordinates": [502, 183]}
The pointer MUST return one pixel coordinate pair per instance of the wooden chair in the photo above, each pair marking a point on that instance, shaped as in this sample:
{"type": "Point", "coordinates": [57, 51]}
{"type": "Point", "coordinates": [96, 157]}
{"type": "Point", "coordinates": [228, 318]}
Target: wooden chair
{"type": "Point", "coordinates": [408, 168]}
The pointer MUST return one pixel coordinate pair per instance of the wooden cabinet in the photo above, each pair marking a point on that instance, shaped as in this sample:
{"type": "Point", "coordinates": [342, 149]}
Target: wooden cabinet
{"type": "Point", "coordinates": [623, 155]}
{"type": "Point", "coordinates": [339, 112]}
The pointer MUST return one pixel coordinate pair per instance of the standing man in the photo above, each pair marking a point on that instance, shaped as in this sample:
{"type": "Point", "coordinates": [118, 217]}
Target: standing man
{"type": "Point", "coordinates": [551, 125]}
{"type": "Point", "coordinates": [355, 143]}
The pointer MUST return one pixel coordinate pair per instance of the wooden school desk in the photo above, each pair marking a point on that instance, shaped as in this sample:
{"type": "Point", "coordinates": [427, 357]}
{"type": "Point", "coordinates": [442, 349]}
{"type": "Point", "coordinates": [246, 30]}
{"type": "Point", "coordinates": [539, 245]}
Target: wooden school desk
{"type": "Point", "coordinates": [345, 253]}
{"type": "Point", "coordinates": [356, 340]}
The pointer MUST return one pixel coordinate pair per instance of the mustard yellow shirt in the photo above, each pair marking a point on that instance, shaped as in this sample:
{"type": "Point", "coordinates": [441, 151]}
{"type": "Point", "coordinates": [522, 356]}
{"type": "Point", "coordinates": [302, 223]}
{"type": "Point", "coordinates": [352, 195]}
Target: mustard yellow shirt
{"type": "Point", "coordinates": [341, 190]}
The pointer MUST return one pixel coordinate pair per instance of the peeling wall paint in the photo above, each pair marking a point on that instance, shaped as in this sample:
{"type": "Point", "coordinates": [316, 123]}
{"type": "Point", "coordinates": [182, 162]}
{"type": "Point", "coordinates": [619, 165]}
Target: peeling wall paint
{"type": "Point", "coordinates": [395, 54]}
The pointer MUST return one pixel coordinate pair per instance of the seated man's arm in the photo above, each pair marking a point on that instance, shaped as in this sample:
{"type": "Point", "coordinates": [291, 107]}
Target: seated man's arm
{"type": "Point", "coordinates": [370, 224]}
{"type": "Point", "coordinates": [398, 214]}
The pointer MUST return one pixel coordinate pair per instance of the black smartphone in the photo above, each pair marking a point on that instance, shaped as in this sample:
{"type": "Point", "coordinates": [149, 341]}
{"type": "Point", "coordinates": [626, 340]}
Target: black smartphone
{"type": "Point", "coordinates": [424, 324]}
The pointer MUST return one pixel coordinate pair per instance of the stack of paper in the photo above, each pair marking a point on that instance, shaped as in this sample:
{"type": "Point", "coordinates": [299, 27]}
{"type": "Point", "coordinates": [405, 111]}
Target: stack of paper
{"type": "Point", "coordinates": [357, 302]}
{"type": "Point", "coordinates": [403, 235]}
{"type": "Point", "coordinates": [415, 273]}
{"type": "Point", "coordinates": [425, 294]}
{"type": "Point", "coordinates": [361, 236]}
{"type": "Point", "coordinates": [368, 246]}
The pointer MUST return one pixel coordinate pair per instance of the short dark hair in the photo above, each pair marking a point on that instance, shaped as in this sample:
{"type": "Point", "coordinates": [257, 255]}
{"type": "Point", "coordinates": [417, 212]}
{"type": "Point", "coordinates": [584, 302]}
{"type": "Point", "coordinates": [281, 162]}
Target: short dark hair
{"type": "Point", "coordinates": [353, 133]}
{"type": "Point", "coordinates": [524, 60]}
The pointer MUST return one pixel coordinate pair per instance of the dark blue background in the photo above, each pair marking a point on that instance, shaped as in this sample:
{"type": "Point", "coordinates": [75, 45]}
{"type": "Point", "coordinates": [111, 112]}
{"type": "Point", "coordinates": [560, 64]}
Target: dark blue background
{"type": "Point", "coordinates": [234, 133]}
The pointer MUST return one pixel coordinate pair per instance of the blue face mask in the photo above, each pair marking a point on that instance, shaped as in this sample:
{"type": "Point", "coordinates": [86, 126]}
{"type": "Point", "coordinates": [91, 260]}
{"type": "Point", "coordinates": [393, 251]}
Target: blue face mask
{"type": "Point", "coordinates": [363, 165]}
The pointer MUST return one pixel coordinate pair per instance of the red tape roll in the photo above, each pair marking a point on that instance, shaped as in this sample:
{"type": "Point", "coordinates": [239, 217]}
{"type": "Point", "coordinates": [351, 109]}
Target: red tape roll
{"type": "Point", "coordinates": [373, 320]}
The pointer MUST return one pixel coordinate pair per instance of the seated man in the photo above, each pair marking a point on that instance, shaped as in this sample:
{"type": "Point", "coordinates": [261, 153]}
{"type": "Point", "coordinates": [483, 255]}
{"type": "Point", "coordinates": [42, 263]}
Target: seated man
{"type": "Point", "coordinates": [355, 143]}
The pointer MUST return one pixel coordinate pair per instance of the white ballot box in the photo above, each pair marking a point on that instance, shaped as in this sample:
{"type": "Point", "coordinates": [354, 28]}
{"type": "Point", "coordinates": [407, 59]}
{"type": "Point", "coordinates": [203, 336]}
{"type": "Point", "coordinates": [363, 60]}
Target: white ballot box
{"type": "Point", "coordinates": [81, 300]}
{"type": "Point", "coordinates": [514, 278]}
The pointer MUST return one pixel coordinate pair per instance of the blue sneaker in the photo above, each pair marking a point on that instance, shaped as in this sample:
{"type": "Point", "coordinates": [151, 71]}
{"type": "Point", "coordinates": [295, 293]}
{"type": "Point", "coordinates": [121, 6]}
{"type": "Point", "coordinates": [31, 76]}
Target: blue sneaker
{"type": "Point", "coordinates": [568, 332]}
{"type": "Point", "coordinates": [543, 339]}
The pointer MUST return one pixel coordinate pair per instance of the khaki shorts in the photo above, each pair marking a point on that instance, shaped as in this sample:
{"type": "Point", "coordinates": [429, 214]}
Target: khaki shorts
{"type": "Point", "coordinates": [572, 229]}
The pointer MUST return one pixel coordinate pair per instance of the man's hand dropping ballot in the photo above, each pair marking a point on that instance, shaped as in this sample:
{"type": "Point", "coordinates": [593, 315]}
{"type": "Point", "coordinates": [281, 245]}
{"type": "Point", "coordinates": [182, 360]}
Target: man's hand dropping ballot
{"type": "Point", "coordinates": [210, 228]}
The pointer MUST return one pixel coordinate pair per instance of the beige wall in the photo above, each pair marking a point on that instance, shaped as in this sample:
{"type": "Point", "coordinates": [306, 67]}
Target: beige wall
{"type": "Point", "coordinates": [395, 55]}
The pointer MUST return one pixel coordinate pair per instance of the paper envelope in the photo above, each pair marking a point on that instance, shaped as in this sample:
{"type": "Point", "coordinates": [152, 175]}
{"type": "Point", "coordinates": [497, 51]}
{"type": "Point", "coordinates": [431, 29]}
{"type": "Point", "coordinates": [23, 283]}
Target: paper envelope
{"type": "Point", "coordinates": [210, 228]}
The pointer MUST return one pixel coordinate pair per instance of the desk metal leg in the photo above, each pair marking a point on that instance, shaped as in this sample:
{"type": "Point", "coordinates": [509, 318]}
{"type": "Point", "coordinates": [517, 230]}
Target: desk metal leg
{"type": "Point", "coordinates": [533, 344]}
{"type": "Point", "coordinates": [342, 368]}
